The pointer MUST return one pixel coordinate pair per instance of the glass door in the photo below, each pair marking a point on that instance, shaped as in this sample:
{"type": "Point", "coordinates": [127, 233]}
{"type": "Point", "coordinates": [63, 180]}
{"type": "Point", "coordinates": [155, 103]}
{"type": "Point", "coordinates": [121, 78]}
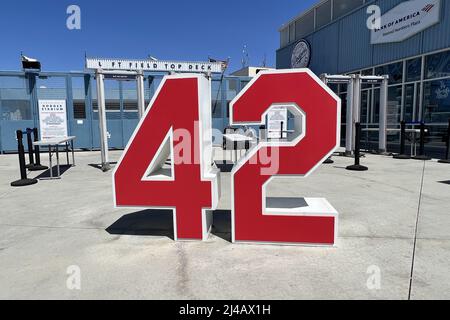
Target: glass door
{"type": "Point", "coordinates": [411, 107]}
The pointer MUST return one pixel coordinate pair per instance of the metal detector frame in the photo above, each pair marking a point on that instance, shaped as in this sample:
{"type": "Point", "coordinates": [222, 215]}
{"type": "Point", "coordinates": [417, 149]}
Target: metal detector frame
{"type": "Point", "coordinates": [100, 77]}
{"type": "Point", "coordinates": [354, 83]}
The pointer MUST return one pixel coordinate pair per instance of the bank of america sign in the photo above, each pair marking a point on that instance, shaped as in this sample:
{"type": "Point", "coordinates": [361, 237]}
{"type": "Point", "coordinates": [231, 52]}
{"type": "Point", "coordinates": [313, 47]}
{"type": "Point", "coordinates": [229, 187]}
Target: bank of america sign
{"type": "Point", "coordinates": [406, 20]}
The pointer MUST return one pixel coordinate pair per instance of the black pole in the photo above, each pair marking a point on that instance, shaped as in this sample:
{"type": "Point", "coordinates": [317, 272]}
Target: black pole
{"type": "Point", "coordinates": [30, 149]}
{"type": "Point", "coordinates": [23, 172]}
{"type": "Point", "coordinates": [357, 166]}
{"type": "Point", "coordinates": [447, 154]}
{"type": "Point", "coordinates": [402, 154]}
{"type": "Point", "coordinates": [37, 152]}
{"type": "Point", "coordinates": [422, 155]}
{"type": "Point", "coordinates": [282, 129]}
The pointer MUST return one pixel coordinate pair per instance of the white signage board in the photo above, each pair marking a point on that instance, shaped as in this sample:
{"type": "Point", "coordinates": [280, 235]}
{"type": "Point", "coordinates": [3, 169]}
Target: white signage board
{"type": "Point", "coordinates": [153, 65]}
{"type": "Point", "coordinates": [406, 20]}
{"type": "Point", "coordinates": [53, 119]}
{"type": "Point", "coordinates": [277, 120]}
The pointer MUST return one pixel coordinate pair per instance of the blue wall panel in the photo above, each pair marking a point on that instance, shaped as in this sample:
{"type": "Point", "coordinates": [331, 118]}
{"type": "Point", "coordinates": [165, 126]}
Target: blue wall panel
{"type": "Point", "coordinates": [438, 36]}
{"type": "Point", "coordinates": [383, 53]}
{"type": "Point", "coordinates": [354, 38]}
{"type": "Point", "coordinates": [325, 44]}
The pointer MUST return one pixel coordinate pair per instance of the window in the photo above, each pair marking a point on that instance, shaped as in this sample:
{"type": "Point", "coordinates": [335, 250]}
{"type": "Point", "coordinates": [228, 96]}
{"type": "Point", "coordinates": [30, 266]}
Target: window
{"type": "Point", "coordinates": [216, 96]}
{"type": "Point", "coordinates": [394, 70]}
{"type": "Point", "coordinates": [341, 7]}
{"type": "Point", "coordinates": [436, 101]}
{"type": "Point", "coordinates": [304, 25]}
{"type": "Point", "coordinates": [51, 88]}
{"type": "Point", "coordinates": [14, 99]}
{"type": "Point", "coordinates": [376, 106]}
{"type": "Point", "coordinates": [323, 14]}
{"type": "Point", "coordinates": [411, 102]}
{"type": "Point", "coordinates": [343, 97]}
{"type": "Point", "coordinates": [413, 69]}
{"type": "Point", "coordinates": [112, 96]}
{"type": "Point", "coordinates": [284, 37]}
{"type": "Point", "coordinates": [79, 109]}
{"type": "Point", "coordinates": [12, 82]}
{"type": "Point", "coordinates": [130, 105]}
{"type": "Point", "coordinates": [437, 65]}
{"type": "Point", "coordinates": [334, 87]}
{"type": "Point", "coordinates": [291, 33]}
{"type": "Point", "coordinates": [367, 72]}
{"type": "Point", "coordinates": [233, 88]}
{"type": "Point", "coordinates": [365, 102]}
{"type": "Point", "coordinates": [394, 105]}
{"type": "Point", "coordinates": [129, 95]}
{"type": "Point", "coordinates": [244, 84]}
{"type": "Point", "coordinates": [79, 98]}
{"type": "Point", "coordinates": [112, 105]}
{"type": "Point", "coordinates": [15, 110]}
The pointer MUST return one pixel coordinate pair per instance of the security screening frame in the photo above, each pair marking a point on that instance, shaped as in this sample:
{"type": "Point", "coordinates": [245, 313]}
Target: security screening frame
{"type": "Point", "coordinates": [353, 115]}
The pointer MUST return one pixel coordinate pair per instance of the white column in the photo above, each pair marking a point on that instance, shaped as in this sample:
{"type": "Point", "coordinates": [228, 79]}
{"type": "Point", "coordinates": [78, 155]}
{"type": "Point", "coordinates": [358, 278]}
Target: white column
{"type": "Point", "coordinates": [102, 120]}
{"type": "Point", "coordinates": [140, 93]}
{"type": "Point", "coordinates": [383, 115]}
{"type": "Point", "coordinates": [349, 118]}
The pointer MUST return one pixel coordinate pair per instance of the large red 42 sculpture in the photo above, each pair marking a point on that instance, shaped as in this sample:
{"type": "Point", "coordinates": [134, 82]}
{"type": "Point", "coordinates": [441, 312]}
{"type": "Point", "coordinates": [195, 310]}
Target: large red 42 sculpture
{"type": "Point", "coordinates": [191, 188]}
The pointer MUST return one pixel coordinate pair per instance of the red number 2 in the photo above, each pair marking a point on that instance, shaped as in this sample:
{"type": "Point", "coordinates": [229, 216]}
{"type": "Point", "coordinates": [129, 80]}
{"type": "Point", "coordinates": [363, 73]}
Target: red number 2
{"type": "Point", "coordinates": [317, 116]}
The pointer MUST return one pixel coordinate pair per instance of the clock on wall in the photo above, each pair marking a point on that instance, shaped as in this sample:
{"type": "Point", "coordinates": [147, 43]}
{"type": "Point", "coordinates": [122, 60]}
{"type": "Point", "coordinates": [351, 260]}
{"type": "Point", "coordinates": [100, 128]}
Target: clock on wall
{"type": "Point", "coordinates": [301, 55]}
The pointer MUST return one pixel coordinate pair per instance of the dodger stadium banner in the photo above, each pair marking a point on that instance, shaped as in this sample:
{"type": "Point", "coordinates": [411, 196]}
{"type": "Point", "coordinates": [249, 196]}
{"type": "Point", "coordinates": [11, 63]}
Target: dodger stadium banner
{"type": "Point", "coordinates": [52, 118]}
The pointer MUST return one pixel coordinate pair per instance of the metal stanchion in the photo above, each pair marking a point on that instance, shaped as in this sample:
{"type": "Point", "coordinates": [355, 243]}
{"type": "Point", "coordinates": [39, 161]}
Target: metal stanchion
{"type": "Point", "coordinates": [24, 181]}
{"type": "Point", "coordinates": [37, 154]}
{"type": "Point", "coordinates": [328, 161]}
{"type": "Point", "coordinates": [447, 154]}
{"type": "Point", "coordinates": [402, 154]}
{"type": "Point", "coordinates": [357, 166]}
{"type": "Point", "coordinates": [422, 155]}
{"type": "Point", "coordinates": [282, 130]}
{"type": "Point", "coordinates": [30, 149]}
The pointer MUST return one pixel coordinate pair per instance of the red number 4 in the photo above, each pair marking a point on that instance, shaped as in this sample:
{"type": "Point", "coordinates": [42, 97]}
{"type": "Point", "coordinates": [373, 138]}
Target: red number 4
{"type": "Point", "coordinates": [188, 185]}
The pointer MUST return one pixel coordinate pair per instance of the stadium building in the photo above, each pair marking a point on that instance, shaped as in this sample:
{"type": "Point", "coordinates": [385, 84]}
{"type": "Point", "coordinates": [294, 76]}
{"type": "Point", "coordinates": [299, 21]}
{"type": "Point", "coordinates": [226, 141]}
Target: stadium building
{"type": "Point", "coordinates": [407, 40]}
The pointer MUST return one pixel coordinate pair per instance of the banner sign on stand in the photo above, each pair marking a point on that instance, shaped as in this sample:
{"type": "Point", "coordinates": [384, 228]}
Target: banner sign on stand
{"type": "Point", "coordinates": [53, 118]}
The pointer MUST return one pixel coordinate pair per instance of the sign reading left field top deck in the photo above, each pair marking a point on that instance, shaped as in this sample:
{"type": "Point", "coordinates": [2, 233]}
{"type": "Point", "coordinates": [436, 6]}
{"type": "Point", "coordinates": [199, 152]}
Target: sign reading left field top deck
{"type": "Point", "coordinates": [153, 65]}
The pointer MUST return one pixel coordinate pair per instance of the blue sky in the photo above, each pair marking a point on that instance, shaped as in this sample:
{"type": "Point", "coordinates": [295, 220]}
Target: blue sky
{"type": "Point", "coordinates": [168, 29]}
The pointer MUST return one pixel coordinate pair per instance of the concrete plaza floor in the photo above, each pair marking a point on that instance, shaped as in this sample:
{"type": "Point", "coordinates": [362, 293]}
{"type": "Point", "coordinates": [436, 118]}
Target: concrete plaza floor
{"type": "Point", "coordinates": [394, 218]}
